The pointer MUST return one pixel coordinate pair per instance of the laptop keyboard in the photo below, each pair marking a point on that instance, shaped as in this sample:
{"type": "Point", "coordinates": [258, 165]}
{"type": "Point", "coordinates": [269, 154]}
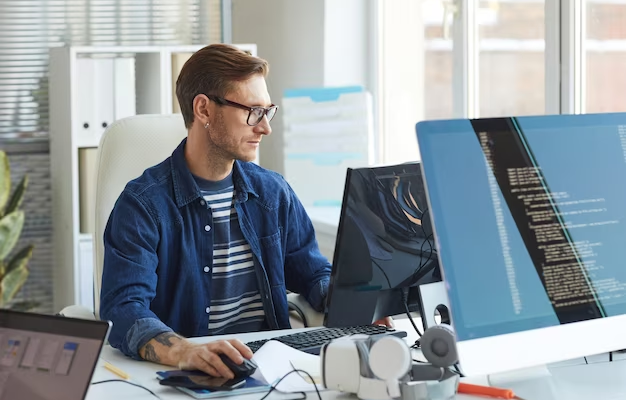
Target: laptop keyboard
{"type": "Point", "coordinates": [313, 340]}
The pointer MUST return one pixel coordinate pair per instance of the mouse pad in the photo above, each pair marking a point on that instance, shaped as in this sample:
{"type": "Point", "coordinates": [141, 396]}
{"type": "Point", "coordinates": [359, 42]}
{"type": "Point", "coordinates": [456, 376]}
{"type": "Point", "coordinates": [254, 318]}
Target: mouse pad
{"type": "Point", "coordinates": [251, 386]}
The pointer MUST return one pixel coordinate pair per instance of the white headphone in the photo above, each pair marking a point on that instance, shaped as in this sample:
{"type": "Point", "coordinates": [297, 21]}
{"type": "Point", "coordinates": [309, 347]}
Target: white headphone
{"type": "Point", "coordinates": [389, 361]}
{"type": "Point", "coordinates": [378, 367]}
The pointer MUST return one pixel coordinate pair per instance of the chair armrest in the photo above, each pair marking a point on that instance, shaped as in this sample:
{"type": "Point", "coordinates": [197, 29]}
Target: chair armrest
{"type": "Point", "coordinates": [307, 314]}
{"type": "Point", "coordinates": [76, 311]}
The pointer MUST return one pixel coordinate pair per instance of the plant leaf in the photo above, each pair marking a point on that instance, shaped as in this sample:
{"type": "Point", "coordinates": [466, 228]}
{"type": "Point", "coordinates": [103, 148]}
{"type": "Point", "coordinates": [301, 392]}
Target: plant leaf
{"type": "Point", "coordinates": [5, 181]}
{"type": "Point", "coordinates": [3, 268]}
{"type": "Point", "coordinates": [12, 283]}
{"type": "Point", "coordinates": [10, 230]}
{"type": "Point", "coordinates": [20, 259]}
{"type": "Point", "coordinates": [25, 305]}
{"type": "Point", "coordinates": [15, 275]}
{"type": "Point", "coordinates": [18, 196]}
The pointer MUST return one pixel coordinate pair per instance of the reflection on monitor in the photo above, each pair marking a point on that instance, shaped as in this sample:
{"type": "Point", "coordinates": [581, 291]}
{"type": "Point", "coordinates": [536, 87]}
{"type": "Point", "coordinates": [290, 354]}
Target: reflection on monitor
{"type": "Point", "coordinates": [530, 220]}
{"type": "Point", "coordinates": [384, 246]}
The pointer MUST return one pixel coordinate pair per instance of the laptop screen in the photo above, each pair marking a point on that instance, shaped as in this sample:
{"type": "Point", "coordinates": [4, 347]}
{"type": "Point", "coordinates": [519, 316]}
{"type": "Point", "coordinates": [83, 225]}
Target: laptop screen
{"type": "Point", "coordinates": [46, 357]}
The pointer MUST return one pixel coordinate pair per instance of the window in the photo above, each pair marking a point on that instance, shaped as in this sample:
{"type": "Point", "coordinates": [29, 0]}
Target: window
{"type": "Point", "coordinates": [511, 58]}
{"type": "Point", "coordinates": [605, 55]}
{"type": "Point", "coordinates": [438, 31]}
{"type": "Point", "coordinates": [455, 59]}
{"type": "Point", "coordinates": [415, 79]}
{"type": "Point", "coordinates": [488, 58]}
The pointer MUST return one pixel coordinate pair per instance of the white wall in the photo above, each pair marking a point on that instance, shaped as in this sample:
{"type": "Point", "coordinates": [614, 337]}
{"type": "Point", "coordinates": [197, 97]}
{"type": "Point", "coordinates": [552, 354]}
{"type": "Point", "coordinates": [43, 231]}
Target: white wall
{"type": "Point", "coordinates": [346, 42]}
{"type": "Point", "coordinates": [308, 44]}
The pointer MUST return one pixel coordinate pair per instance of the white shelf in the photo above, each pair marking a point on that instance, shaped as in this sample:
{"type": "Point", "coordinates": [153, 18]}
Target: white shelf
{"type": "Point", "coordinates": [91, 87]}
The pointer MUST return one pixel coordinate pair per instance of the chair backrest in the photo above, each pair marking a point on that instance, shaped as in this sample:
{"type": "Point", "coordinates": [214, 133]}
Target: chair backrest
{"type": "Point", "coordinates": [127, 148]}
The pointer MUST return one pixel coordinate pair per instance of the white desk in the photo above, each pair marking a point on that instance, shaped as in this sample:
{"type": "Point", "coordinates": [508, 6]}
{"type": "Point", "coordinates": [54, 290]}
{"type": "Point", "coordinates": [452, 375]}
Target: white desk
{"type": "Point", "coordinates": [573, 380]}
{"type": "Point", "coordinates": [144, 373]}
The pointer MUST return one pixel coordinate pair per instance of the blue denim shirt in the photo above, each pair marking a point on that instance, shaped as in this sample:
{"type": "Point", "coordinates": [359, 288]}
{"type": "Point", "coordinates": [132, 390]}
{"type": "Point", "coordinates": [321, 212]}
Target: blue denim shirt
{"type": "Point", "coordinates": [158, 240]}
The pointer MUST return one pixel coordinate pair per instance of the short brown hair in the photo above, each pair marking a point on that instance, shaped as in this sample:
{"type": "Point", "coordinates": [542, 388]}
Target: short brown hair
{"type": "Point", "coordinates": [213, 70]}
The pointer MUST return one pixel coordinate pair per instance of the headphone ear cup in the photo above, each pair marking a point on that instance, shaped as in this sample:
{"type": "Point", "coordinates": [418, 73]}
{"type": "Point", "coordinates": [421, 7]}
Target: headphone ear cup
{"type": "Point", "coordinates": [438, 345]}
{"type": "Point", "coordinates": [390, 358]}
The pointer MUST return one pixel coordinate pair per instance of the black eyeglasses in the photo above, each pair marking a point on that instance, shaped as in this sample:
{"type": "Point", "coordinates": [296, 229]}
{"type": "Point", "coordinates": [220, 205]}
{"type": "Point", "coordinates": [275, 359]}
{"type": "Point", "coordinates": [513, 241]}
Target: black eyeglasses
{"type": "Point", "coordinates": [255, 114]}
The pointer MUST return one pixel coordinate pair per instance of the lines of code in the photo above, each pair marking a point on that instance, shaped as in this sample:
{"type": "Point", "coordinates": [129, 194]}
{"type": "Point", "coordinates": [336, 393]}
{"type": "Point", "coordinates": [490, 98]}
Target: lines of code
{"type": "Point", "coordinates": [504, 237]}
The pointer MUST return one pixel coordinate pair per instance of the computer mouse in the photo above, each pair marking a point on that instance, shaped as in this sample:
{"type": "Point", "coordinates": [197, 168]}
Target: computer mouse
{"type": "Point", "coordinates": [242, 370]}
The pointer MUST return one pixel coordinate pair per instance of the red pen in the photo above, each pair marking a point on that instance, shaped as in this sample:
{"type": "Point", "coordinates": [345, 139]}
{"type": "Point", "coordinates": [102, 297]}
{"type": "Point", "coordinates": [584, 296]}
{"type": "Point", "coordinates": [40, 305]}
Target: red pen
{"type": "Point", "coordinates": [478, 390]}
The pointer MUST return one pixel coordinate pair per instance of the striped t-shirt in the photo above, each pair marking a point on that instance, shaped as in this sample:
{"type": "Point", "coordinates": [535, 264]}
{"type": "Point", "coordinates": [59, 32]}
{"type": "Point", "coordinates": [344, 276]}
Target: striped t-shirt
{"type": "Point", "coordinates": [235, 299]}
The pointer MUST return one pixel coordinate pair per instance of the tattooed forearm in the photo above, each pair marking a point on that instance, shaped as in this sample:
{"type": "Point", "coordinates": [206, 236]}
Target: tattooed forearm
{"type": "Point", "coordinates": [149, 353]}
{"type": "Point", "coordinates": [166, 338]}
{"type": "Point", "coordinates": [158, 348]}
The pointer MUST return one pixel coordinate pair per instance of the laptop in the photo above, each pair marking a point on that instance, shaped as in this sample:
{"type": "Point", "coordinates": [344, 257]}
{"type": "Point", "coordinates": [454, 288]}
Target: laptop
{"type": "Point", "coordinates": [46, 357]}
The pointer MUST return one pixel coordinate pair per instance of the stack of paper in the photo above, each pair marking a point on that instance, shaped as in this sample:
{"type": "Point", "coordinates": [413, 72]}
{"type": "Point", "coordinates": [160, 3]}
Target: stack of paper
{"type": "Point", "coordinates": [326, 130]}
{"type": "Point", "coordinates": [275, 360]}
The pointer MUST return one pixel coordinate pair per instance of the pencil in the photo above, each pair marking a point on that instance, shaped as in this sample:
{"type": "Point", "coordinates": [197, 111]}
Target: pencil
{"type": "Point", "coordinates": [116, 370]}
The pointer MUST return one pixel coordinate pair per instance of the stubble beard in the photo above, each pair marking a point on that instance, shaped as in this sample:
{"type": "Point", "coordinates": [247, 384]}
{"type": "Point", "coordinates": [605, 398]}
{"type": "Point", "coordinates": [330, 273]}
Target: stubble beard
{"type": "Point", "coordinates": [218, 141]}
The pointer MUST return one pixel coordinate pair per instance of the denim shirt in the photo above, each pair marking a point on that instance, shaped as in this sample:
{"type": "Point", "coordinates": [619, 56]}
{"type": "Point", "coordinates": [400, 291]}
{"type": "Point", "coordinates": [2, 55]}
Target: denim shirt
{"type": "Point", "coordinates": [158, 241]}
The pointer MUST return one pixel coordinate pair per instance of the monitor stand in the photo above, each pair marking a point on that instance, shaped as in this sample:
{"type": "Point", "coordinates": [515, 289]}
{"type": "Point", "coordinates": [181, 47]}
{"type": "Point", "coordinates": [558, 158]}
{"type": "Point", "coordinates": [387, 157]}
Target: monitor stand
{"type": "Point", "coordinates": [534, 383]}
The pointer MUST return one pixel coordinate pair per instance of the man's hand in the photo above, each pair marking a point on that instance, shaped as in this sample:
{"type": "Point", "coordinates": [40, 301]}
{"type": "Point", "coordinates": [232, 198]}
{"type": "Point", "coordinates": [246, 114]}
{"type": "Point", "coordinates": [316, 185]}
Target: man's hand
{"type": "Point", "coordinates": [206, 357]}
{"type": "Point", "coordinates": [172, 349]}
{"type": "Point", "coordinates": [387, 321]}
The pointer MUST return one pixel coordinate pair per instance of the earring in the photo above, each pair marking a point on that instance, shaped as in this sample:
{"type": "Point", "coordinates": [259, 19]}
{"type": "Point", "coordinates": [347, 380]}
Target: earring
{"type": "Point", "coordinates": [206, 126]}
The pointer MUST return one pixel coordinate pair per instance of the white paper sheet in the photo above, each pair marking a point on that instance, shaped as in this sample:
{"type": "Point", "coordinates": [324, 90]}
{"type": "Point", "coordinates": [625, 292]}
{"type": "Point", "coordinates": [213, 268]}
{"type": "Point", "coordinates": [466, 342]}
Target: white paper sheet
{"type": "Point", "coordinates": [274, 360]}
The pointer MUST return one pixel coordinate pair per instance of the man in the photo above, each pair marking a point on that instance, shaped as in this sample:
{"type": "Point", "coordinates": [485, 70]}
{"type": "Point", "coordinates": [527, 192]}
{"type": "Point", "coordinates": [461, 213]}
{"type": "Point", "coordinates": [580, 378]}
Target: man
{"type": "Point", "coordinates": [206, 242]}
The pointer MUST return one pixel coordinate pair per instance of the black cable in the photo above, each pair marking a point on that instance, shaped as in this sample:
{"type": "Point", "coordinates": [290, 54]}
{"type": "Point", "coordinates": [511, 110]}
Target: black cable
{"type": "Point", "coordinates": [405, 302]}
{"type": "Point", "coordinates": [422, 263]}
{"type": "Point", "coordinates": [130, 383]}
{"type": "Point", "coordinates": [585, 360]}
{"type": "Point", "coordinates": [319, 396]}
{"type": "Point", "coordinates": [426, 239]}
{"type": "Point", "coordinates": [430, 254]}
{"type": "Point", "coordinates": [297, 310]}
{"type": "Point", "coordinates": [417, 272]}
{"type": "Point", "coordinates": [384, 273]}
{"type": "Point", "coordinates": [408, 314]}
{"type": "Point", "coordinates": [458, 370]}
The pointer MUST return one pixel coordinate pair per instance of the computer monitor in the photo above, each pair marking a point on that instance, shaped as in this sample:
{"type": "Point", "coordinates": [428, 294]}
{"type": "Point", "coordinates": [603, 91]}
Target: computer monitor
{"type": "Point", "coordinates": [530, 219]}
{"type": "Point", "coordinates": [46, 357]}
{"type": "Point", "coordinates": [384, 247]}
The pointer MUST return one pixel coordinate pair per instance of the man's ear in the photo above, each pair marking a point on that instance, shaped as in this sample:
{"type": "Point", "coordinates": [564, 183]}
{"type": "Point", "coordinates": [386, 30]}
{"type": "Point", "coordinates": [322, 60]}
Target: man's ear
{"type": "Point", "coordinates": [201, 109]}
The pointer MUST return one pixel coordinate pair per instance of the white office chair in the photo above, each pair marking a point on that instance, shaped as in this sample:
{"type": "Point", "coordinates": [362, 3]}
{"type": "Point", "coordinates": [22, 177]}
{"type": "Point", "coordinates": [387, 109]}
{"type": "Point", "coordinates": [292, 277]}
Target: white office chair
{"type": "Point", "coordinates": [127, 148]}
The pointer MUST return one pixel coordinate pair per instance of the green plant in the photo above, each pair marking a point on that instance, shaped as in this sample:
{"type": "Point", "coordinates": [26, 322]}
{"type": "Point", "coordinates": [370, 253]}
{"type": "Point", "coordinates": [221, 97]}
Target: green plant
{"type": "Point", "coordinates": [14, 272]}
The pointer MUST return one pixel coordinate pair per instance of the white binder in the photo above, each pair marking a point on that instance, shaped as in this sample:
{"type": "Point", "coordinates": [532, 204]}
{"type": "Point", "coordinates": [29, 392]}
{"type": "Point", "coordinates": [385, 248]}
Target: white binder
{"type": "Point", "coordinates": [105, 92]}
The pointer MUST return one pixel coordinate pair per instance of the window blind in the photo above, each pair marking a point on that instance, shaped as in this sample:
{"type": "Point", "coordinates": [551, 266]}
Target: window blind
{"type": "Point", "coordinates": [28, 28]}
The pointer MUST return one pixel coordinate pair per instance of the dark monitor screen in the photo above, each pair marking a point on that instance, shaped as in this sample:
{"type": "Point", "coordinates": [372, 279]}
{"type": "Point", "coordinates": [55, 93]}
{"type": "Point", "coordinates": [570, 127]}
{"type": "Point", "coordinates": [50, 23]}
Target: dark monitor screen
{"type": "Point", "coordinates": [384, 246]}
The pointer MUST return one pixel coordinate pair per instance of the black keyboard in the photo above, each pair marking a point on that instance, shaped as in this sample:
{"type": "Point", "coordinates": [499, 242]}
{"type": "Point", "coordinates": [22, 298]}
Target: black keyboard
{"type": "Point", "coordinates": [313, 340]}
